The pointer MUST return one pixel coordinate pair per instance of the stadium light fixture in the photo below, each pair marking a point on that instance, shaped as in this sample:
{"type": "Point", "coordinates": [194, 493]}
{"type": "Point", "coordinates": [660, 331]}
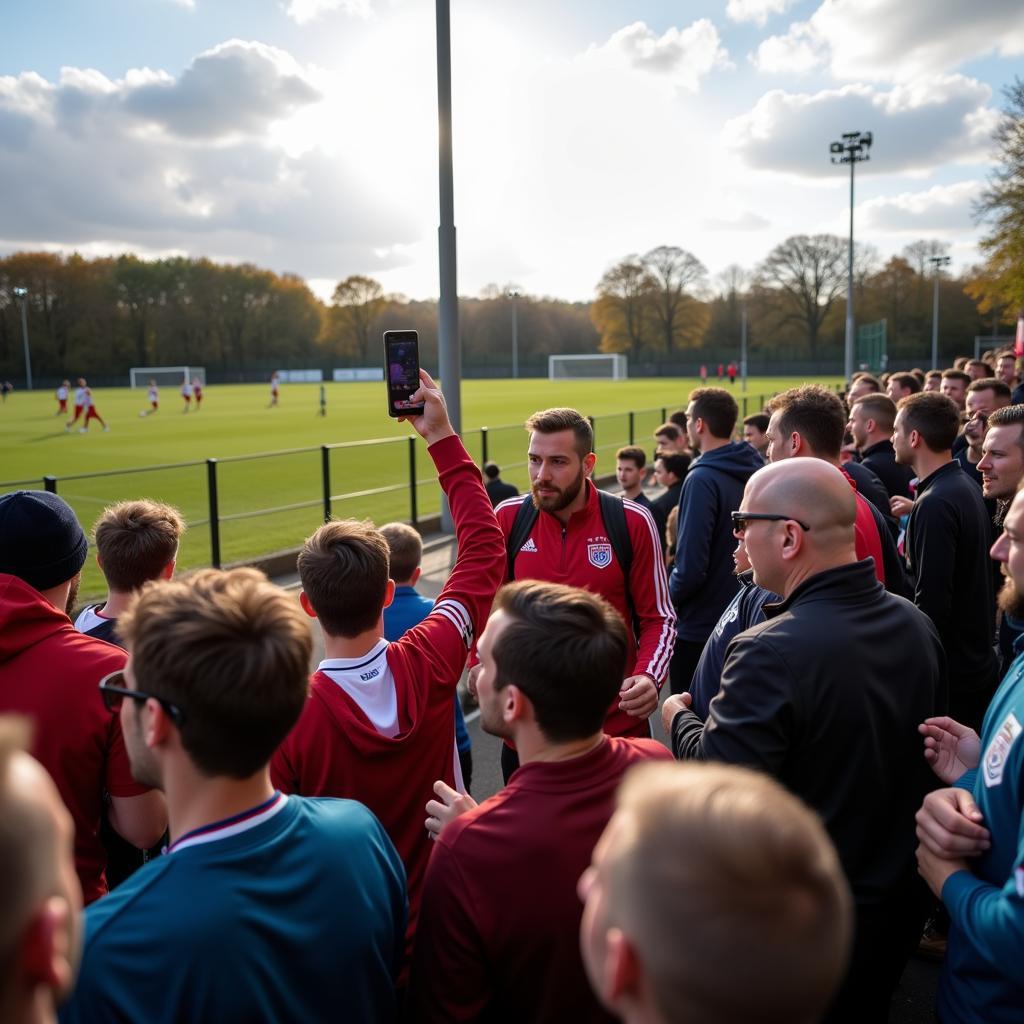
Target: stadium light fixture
{"type": "Point", "coordinates": [851, 149]}
{"type": "Point", "coordinates": [22, 294]}
{"type": "Point", "coordinates": [513, 294]}
{"type": "Point", "coordinates": [938, 262]}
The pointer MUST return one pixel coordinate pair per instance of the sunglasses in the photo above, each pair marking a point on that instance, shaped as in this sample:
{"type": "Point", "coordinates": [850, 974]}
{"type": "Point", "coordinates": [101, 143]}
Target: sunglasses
{"type": "Point", "coordinates": [740, 520]}
{"type": "Point", "coordinates": [114, 695]}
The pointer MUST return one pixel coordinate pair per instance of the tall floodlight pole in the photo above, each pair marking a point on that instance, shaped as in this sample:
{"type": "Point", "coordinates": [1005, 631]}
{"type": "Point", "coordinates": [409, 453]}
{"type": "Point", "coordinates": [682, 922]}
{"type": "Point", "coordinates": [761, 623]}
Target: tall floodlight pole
{"type": "Point", "coordinates": [513, 294]}
{"type": "Point", "coordinates": [938, 262]}
{"type": "Point", "coordinates": [22, 293]}
{"type": "Point", "coordinates": [852, 149]}
{"type": "Point", "coordinates": [449, 355]}
{"type": "Point", "coordinates": [743, 347]}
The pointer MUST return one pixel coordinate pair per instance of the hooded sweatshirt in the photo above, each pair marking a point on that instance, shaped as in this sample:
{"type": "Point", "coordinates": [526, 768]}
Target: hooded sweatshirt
{"type": "Point", "coordinates": [49, 673]}
{"type": "Point", "coordinates": [702, 582]}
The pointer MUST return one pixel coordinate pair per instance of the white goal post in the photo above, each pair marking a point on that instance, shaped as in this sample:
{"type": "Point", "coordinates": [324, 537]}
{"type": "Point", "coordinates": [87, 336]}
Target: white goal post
{"type": "Point", "coordinates": [599, 366]}
{"type": "Point", "coordinates": [165, 376]}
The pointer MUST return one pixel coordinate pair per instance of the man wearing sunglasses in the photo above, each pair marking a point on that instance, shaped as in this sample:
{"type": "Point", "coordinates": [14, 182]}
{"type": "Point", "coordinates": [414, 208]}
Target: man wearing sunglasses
{"type": "Point", "coordinates": [265, 907]}
{"type": "Point", "coordinates": [48, 674]}
{"type": "Point", "coordinates": [824, 695]}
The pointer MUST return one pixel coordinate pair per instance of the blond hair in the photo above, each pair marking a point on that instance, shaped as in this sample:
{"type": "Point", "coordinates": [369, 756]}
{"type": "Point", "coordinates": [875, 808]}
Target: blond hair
{"type": "Point", "coordinates": [405, 547]}
{"type": "Point", "coordinates": [136, 541]}
{"type": "Point", "coordinates": [232, 651]}
{"type": "Point", "coordinates": [718, 873]}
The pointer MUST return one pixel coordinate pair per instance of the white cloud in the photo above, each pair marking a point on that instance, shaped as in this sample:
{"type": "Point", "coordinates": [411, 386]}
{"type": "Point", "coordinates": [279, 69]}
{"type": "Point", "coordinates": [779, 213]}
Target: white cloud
{"type": "Point", "coordinates": [746, 220]}
{"type": "Point", "coordinates": [916, 127]}
{"type": "Point", "coordinates": [685, 55]}
{"type": "Point", "coordinates": [757, 11]}
{"type": "Point", "coordinates": [797, 52]}
{"type": "Point", "coordinates": [942, 209]}
{"type": "Point", "coordinates": [891, 41]}
{"type": "Point", "coordinates": [304, 11]}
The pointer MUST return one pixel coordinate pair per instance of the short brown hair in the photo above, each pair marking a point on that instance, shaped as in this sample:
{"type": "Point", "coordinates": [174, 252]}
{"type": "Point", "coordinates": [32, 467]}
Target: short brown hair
{"type": "Point", "coordinates": [675, 462]}
{"type": "Point", "coordinates": [932, 374]}
{"type": "Point", "coordinates": [906, 380]}
{"type": "Point", "coordinates": [956, 375]}
{"type": "Point", "coordinates": [816, 414]}
{"type": "Point", "coordinates": [344, 569]}
{"type": "Point", "coordinates": [670, 430]}
{"type": "Point", "coordinates": [679, 418]}
{"type": "Point", "coordinates": [866, 378]}
{"type": "Point", "coordinates": [999, 387]}
{"type": "Point", "coordinates": [1009, 416]}
{"type": "Point", "coordinates": [632, 453]}
{"type": "Point", "coordinates": [880, 408]}
{"type": "Point", "coordinates": [757, 420]}
{"type": "Point", "coordinates": [406, 550]}
{"type": "Point", "coordinates": [554, 421]}
{"type": "Point", "coordinates": [565, 648]}
{"type": "Point", "coordinates": [934, 416]}
{"type": "Point", "coordinates": [136, 541]}
{"type": "Point", "coordinates": [232, 651]}
{"type": "Point", "coordinates": [717, 408]}
{"type": "Point", "coordinates": [717, 872]}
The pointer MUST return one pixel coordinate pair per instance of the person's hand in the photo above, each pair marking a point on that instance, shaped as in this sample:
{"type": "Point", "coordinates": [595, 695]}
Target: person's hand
{"type": "Point", "coordinates": [449, 805]}
{"type": "Point", "coordinates": [672, 706]}
{"type": "Point", "coordinates": [935, 870]}
{"type": "Point", "coordinates": [900, 506]}
{"type": "Point", "coordinates": [949, 747]}
{"type": "Point", "coordinates": [949, 824]}
{"type": "Point", "coordinates": [433, 424]}
{"type": "Point", "coordinates": [638, 696]}
{"type": "Point", "coordinates": [471, 679]}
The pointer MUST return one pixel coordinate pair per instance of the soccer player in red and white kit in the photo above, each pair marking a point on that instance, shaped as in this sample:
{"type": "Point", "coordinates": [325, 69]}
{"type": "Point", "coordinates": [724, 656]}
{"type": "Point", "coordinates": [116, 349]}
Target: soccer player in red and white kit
{"type": "Point", "coordinates": [569, 544]}
{"type": "Point", "coordinates": [500, 916]}
{"type": "Point", "coordinates": [273, 389]}
{"type": "Point", "coordinates": [62, 398]}
{"type": "Point", "coordinates": [378, 726]}
{"type": "Point", "coordinates": [197, 392]}
{"type": "Point", "coordinates": [154, 399]}
{"type": "Point", "coordinates": [186, 394]}
{"type": "Point", "coordinates": [84, 405]}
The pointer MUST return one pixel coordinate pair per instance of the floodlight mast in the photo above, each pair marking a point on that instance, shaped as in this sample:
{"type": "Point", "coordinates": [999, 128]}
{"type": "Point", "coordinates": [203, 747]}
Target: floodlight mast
{"type": "Point", "coordinates": [22, 293]}
{"type": "Point", "coordinates": [938, 262]}
{"type": "Point", "coordinates": [513, 294]}
{"type": "Point", "coordinates": [851, 149]}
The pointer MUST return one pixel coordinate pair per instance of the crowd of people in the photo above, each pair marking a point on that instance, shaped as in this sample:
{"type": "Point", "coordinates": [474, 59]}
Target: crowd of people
{"type": "Point", "coordinates": [833, 590]}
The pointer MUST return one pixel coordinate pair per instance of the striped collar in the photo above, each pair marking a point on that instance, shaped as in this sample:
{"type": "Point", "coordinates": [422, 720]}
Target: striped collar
{"type": "Point", "coordinates": [232, 826]}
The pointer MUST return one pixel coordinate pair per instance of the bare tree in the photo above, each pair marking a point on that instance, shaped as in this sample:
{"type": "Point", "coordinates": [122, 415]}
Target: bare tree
{"type": "Point", "coordinates": [622, 310]}
{"type": "Point", "coordinates": [675, 273]}
{"type": "Point", "coordinates": [803, 276]}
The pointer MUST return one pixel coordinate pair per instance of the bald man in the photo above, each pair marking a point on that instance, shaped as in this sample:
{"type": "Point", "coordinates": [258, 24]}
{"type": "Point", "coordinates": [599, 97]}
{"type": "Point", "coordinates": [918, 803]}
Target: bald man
{"type": "Point", "coordinates": [825, 696]}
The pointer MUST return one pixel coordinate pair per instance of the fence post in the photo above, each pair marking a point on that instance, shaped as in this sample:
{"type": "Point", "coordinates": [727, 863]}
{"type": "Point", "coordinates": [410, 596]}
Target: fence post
{"type": "Point", "coordinates": [325, 470]}
{"type": "Point", "coordinates": [483, 446]}
{"type": "Point", "coordinates": [593, 427]}
{"type": "Point", "coordinates": [664, 414]}
{"type": "Point", "coordinates": [211, 491]}
{"type": "Point", "coordinates": [631, 435]}
{"type": "Point", "coordinates": [413, 515]}
{"type": "Point", "coordinates": [744, 406]}
{"type": "Point", "coordinates": [50, 484]}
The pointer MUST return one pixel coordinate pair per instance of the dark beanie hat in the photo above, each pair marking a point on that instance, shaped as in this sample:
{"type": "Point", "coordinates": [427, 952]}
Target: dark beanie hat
{"type": "Point", "coordinates": [40, 539]}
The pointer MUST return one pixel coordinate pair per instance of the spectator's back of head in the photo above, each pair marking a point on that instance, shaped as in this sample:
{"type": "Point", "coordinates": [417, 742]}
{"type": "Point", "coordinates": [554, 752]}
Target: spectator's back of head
{"type": "Point", "coordinates": [41, 541]}
{"type": "Point", "coordinates": [405, 547]}
{"type": "Point", "coordinates": [565, 649]}
{"type": "Point", "coordinates": [678, 417]}
{"type": "Point", "coordinates": [231, 651]}
{"type": "Point", "coordinates": [137, 541]}
{"type": "Point", "coordinates": [724, 891]}
{"type": "Point", "coordinates": [813, 412]}
{"type": "Point", "coordinates": [344, 569]}
{"type": "Point", "coordinates": [40, 933]}
{"type": "Point", "coordinates": [492, 470]}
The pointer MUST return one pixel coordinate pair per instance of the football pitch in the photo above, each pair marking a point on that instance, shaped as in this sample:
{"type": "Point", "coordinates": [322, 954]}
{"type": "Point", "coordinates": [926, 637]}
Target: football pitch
{"type": "Point", "coordinates": [269, 470]}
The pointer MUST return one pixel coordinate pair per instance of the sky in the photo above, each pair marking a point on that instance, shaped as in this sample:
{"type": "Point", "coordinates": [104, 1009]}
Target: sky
{"type": "Point", "coordinates": [301, 135]}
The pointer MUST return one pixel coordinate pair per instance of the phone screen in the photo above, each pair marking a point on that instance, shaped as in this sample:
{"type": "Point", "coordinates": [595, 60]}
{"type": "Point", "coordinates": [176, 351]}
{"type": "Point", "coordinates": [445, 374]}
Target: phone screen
{"type": "Point", "coordinates": [402, 372]}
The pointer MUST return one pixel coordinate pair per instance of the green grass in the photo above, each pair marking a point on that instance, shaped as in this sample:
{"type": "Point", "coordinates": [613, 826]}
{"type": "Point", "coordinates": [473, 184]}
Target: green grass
{"type": "Point", "coordinates": [235, 421]}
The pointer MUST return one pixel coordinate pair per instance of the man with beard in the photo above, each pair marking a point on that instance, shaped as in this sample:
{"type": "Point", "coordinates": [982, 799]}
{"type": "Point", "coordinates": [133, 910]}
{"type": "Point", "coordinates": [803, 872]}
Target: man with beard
{"type": "Point", "coordinates": [40, 929]}
{"type": "Point", "coordinates": [569, 543]}
{"type": "Point", "coordinates": [265, 907]}
{"type": "Point", "coordinates": [500, 919]}
{"type": "Point", "coordinates": [48, 674]}
{"type": "Point", "coordinates": [971, 834]}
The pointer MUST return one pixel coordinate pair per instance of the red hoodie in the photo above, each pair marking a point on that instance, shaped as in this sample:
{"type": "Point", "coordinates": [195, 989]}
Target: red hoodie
{"type": "Point", "coordinates": [334, 749]}
{"type": "Point", "coordinates": [50, 672]}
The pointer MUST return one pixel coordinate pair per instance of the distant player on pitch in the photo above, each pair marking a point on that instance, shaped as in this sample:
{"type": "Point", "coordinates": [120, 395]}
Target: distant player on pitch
{"type": "Point", "coordinates": [197, 392]}
{"type": "Point", "coordinates": [154, 399]}
{"type": "Point", "coordinates": [273, 389]}
{"type": "Point", "coordinates": [62, 398]}
{"type": "Point", "coordinates": [84, 407]}
{"type": "Point", "coordinates": [186, 393]}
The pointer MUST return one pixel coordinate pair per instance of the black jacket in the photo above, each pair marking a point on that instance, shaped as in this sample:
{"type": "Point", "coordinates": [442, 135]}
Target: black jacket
{"type": "Point", "coordinates": [498, 491]}
{"type": "Point", "coordinates": [826, 696]}
{"type": "Point", "coordinates": [880, 458]}
{"type": "Point", "coordinates": [947, 546]}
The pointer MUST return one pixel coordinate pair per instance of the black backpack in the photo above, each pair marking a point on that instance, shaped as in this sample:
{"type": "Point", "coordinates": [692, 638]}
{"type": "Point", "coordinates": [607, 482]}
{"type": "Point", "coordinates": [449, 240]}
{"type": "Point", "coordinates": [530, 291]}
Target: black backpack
{"type": "Point", "coordinates": [613, 513]}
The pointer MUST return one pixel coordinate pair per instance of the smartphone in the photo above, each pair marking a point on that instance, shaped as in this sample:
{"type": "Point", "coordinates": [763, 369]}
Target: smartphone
{"type": "Point", "coordinates": [402, 372]}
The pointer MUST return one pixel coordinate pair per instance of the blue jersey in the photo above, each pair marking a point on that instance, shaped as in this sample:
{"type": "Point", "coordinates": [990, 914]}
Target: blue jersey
{"type": "Point", "coordinates": [983, 974]}
{"type": "Point", "coordinates": [298, 917]}
{"type": "Point", "coordinates": [409, 609]}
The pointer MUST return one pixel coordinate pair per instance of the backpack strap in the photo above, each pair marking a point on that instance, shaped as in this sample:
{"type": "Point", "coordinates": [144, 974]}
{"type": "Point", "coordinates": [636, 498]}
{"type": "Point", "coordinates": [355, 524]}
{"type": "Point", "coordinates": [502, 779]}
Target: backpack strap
{"type": "Point", "coordinates": [526, 516]}
{"type": "Point", "coordinates": [613, 513]}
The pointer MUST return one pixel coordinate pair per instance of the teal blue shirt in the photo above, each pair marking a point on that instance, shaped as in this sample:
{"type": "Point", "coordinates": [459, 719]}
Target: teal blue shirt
{"type": "Point", "coordinates": [983, 973]}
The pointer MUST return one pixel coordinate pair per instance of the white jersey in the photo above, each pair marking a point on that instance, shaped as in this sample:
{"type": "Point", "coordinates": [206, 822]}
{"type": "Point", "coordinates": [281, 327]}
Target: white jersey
{"type": "Point", "coordinates": [62, 393]}
{"type": "Point", "coordinates": [186, 390]}
{"type": "Point", "coordinates": [154, 393]}
{"type": "Point", "coordinates": [90, 618]}
{"type": "Point", "coordinates": [80, 397]}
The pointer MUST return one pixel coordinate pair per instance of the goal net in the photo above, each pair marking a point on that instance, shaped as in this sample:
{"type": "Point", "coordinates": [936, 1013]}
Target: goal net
{"type": "Point", "coordinates": [165, 376]}
{"type": "Point", "coordinates": [605, 366]}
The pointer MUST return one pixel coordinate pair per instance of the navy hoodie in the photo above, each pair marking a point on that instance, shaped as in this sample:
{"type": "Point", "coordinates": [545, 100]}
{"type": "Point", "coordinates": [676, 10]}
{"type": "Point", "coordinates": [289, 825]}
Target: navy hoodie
{"type": "Point", "coordinates": [702, 581]}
